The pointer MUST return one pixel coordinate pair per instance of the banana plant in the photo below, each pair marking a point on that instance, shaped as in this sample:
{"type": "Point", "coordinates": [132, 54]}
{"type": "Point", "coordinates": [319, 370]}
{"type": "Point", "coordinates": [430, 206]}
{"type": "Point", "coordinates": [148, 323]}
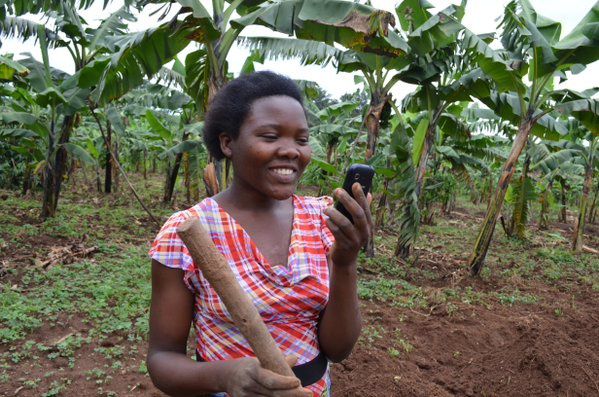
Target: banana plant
{"type": "Point", "coordinates": [406, 57]}
{"type": "Point", "coordinates": [532, 47]}
{"type": "Point", "coordinates": [173, 143]}
{"type": "Point", "coordinates": [376, 73]}
{"type": "Point", "coordinates": [332, 131]}
{"type": "Point", "coordinates": [455, 152]}
{"type": "Point", "coordinates": [402, 186]}
{"type": "Point", "coordinates": [578, 154]}
{"type": "Point", "coordinates": [465, 158]}
{"type": "Point", "coordinates": [28, 119]}
{"type": "Point", "coordinates": [520, 194]}
{"type": "Point", "coordinates": [65, 95]}
{"type": "Point", "coordinates": [57, 92]}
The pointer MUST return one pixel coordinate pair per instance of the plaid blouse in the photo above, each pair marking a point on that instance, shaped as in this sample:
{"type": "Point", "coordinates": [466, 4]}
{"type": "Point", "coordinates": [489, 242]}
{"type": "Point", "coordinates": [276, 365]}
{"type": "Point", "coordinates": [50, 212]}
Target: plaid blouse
{"type": "Point", "coordinates": [289, 299]}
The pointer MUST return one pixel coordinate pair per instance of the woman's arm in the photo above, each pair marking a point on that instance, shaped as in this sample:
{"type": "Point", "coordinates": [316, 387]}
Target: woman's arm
{"type": "Point", "coordinates": [341, 322]}
{"type": "Point", "coordinates": [171, 314]}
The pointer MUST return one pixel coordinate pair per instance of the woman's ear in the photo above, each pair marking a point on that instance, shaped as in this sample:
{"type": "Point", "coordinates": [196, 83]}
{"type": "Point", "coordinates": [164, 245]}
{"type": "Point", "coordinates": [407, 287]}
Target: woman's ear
{"type": "Point", "coordinates": [225, 144]}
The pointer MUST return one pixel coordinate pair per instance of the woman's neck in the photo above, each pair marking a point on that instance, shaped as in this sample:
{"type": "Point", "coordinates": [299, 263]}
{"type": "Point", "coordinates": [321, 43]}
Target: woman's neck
{"type": "Point", "coordinates": [247, 198]}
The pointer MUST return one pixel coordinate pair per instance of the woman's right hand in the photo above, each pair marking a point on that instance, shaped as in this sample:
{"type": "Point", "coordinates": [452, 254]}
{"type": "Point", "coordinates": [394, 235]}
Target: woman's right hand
{"type": "Point", "coordinates": [248, 378]}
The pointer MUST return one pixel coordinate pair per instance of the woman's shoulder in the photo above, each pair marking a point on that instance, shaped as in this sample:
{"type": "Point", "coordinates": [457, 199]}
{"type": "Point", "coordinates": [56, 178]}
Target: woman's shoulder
{"type": "Point", "coordinates": [168, 248]}
{"type": "Point", "coordinates": [204, 210]}
{"type": "Point", "coordinates": [315, 204]}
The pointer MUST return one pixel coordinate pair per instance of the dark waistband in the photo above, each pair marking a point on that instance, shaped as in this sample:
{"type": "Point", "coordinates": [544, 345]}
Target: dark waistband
{"type": "Point", "coordinates": [311, 371]}
{"type": "Point", "coordinates": [308, 373]}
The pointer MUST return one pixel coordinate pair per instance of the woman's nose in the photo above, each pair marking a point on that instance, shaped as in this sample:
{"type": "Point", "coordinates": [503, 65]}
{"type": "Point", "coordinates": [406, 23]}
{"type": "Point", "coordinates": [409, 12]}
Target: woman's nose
{"type": "Point", "coordinates": [288, 149]}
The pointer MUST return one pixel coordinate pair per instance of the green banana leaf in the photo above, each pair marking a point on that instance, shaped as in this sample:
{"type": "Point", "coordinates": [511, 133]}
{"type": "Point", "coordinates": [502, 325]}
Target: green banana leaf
{"type": "Point", "coordinates": [354, 26]}
{"type": "Point", "coordinates": [9, 67]}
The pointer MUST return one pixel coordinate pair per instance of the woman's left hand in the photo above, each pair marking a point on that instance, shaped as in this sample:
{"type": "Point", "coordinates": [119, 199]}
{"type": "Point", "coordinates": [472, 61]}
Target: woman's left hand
{"type": "Point", "coordinates": [349, 237]}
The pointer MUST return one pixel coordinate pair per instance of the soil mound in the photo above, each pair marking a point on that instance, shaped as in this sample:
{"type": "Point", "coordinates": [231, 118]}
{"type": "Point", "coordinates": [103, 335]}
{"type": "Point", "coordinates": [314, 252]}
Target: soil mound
{"type": "Point", "coordinates": [507, 351]}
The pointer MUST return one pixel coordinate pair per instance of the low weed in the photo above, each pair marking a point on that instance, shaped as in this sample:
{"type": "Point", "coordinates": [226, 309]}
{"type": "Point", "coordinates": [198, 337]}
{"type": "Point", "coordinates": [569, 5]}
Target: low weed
{"type": "Point", "coordinates": [372, 333]}
{"type": "Point", "coordinates": [402, 342]}
{"type": "Point", "coordinates": [379, 289]}
{"type": "Point", "coordinates": [515, 297]}
{"type": "Point", "coordinates": [57, 387]}
{"type": "Point", "coordinates": [384, 266]}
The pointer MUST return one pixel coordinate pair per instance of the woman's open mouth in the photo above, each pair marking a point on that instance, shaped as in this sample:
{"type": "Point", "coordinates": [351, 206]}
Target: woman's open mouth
{"type": "Point", "coordinates": [284, 175]}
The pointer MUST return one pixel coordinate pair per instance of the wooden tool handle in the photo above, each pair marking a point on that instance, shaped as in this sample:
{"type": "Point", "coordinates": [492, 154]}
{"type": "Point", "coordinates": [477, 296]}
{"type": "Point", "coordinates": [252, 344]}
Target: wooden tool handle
{"type": "Point", "coordinates": [220, 276]}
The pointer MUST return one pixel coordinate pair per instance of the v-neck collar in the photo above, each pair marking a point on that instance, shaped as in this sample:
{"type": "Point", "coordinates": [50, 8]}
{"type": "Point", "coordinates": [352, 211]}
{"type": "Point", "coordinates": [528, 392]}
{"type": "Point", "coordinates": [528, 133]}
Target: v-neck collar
{"type": "Point", "coordinates": [279, 269]}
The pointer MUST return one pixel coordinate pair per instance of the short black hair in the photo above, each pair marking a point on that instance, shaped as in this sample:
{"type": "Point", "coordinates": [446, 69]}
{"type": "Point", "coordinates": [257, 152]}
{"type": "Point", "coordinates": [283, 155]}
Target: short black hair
{"type": "Point", "coordinates": [233, 102]}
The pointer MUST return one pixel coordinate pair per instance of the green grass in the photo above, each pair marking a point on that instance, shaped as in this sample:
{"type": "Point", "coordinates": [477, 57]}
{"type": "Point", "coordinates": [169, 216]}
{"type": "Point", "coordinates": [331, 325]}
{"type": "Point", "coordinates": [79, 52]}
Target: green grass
{"type": "Point", "coordinates": [397, 292]}
{"type": "Point", "coordinates": [113, 294]}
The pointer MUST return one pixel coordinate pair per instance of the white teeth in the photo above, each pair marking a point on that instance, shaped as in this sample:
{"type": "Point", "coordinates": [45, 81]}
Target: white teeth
{"type": "Point", "coordinates": [283, 171]}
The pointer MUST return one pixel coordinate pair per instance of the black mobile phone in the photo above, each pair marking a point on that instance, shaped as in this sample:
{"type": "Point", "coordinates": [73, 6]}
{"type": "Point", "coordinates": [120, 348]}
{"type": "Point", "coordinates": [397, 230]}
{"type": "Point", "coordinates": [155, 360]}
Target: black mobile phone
{"type": "Point", "coordinates": [360, 173]}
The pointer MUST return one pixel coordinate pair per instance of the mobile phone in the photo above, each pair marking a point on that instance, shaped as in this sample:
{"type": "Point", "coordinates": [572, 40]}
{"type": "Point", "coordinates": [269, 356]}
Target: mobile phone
{"type": "Point", "coordinates": [360, 173]}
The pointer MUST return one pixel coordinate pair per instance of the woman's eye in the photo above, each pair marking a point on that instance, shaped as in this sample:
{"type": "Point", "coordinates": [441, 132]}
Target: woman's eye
{"type": "Point", "coordinates": [270, 137]}
{"type": "Point", "coordinates": [303, 141]}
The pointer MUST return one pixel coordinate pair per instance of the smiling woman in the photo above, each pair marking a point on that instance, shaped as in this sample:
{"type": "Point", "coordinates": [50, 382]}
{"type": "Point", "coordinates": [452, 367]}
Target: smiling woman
{"type": "Point", "coordinates": [294, 256]}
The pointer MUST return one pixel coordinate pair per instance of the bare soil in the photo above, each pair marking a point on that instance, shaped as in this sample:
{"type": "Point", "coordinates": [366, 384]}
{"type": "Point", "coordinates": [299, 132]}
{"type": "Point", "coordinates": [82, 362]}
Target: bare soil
{"type": "Point", "coordinates": [522, 350]}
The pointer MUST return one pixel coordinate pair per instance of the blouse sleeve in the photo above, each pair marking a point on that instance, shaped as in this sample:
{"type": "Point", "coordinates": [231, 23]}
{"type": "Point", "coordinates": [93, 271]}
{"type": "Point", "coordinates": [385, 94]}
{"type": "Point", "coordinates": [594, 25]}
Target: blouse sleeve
{"type": "Point", "coordinates": [168, 248]}
{"type": "Point", "coordinates": [327, 237]}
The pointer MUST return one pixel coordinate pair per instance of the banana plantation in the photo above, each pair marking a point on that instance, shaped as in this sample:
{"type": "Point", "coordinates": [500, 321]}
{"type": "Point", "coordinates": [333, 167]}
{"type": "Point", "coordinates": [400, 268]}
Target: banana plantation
{"type": "Point", "coordinates": [482, 273]}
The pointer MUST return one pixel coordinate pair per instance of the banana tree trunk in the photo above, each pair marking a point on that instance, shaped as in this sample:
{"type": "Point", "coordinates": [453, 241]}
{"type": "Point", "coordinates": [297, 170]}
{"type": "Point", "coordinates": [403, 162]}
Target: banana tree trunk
{"type": "Point", "coordinates": [54, 171]}
{"type": "Point", "coordinates": [330, 152]}
{"type": "Point", "coordinates": [115, 171]}
{"type": "Point", "coordinates": [108, 169]}
{"type": "Point", "coordinates": [186, 177]}
{"type": "Point", "coordinates": [404, 243]}
{"type": "Point", "coordinates": [372, 120]}
{"type": "Point", "coordinates": [48, 174]}
{"type": "Point", "coordinates": [85, 177]}
{"type": "Point", "coordinates": [519, 214]}
{"type": "Point", "coordinates": [382, 206]}
{"type": "Point", "coordinates": [429, 140]}
{"type": "Point", "coordinates": [71, 173]}
{"type": "Point", "coordinates": [145, 164]}
{"type": "Point", "coordinates": [27, 180]}
{"type": "Point", "coordinates": [588, 183]}
{"type": "Point", "coordinates": [214, 178]}
{"type": "Point", "coordinates": [426, 149]}
{"type": "Point", "coordinates": [485, 235]}
{"type": "Point", "coordinates": [593, 210]}
{"type": "Point", "coordinates": [563, 214]}
{"type": "Point", "coordinates": [194, 184]}
{"type": "Point", "coordinates": [544, 214]}
{"type": "Point", "coordinates": [489, 192]}
{"type": "Point", "coordinates": [98, 179]}
{"type": "Point", "coordinates": [172, 179]}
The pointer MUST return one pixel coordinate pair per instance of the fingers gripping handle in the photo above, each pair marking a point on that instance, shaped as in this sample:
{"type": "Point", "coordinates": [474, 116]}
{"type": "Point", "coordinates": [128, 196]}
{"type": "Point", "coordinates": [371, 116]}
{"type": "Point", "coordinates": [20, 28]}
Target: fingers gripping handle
{"type": "Point", "coordinates": [215, 268]}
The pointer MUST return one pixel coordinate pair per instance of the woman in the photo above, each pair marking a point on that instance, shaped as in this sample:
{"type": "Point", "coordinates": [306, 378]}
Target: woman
{"type": "Point", "coordinates": [295, 256]}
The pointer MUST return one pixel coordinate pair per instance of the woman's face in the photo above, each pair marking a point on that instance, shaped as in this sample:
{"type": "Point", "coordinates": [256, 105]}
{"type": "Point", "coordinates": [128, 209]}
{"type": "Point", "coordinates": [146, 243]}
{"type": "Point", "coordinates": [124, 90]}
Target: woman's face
{"type": "Point", "coordinates": [272, 150]}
